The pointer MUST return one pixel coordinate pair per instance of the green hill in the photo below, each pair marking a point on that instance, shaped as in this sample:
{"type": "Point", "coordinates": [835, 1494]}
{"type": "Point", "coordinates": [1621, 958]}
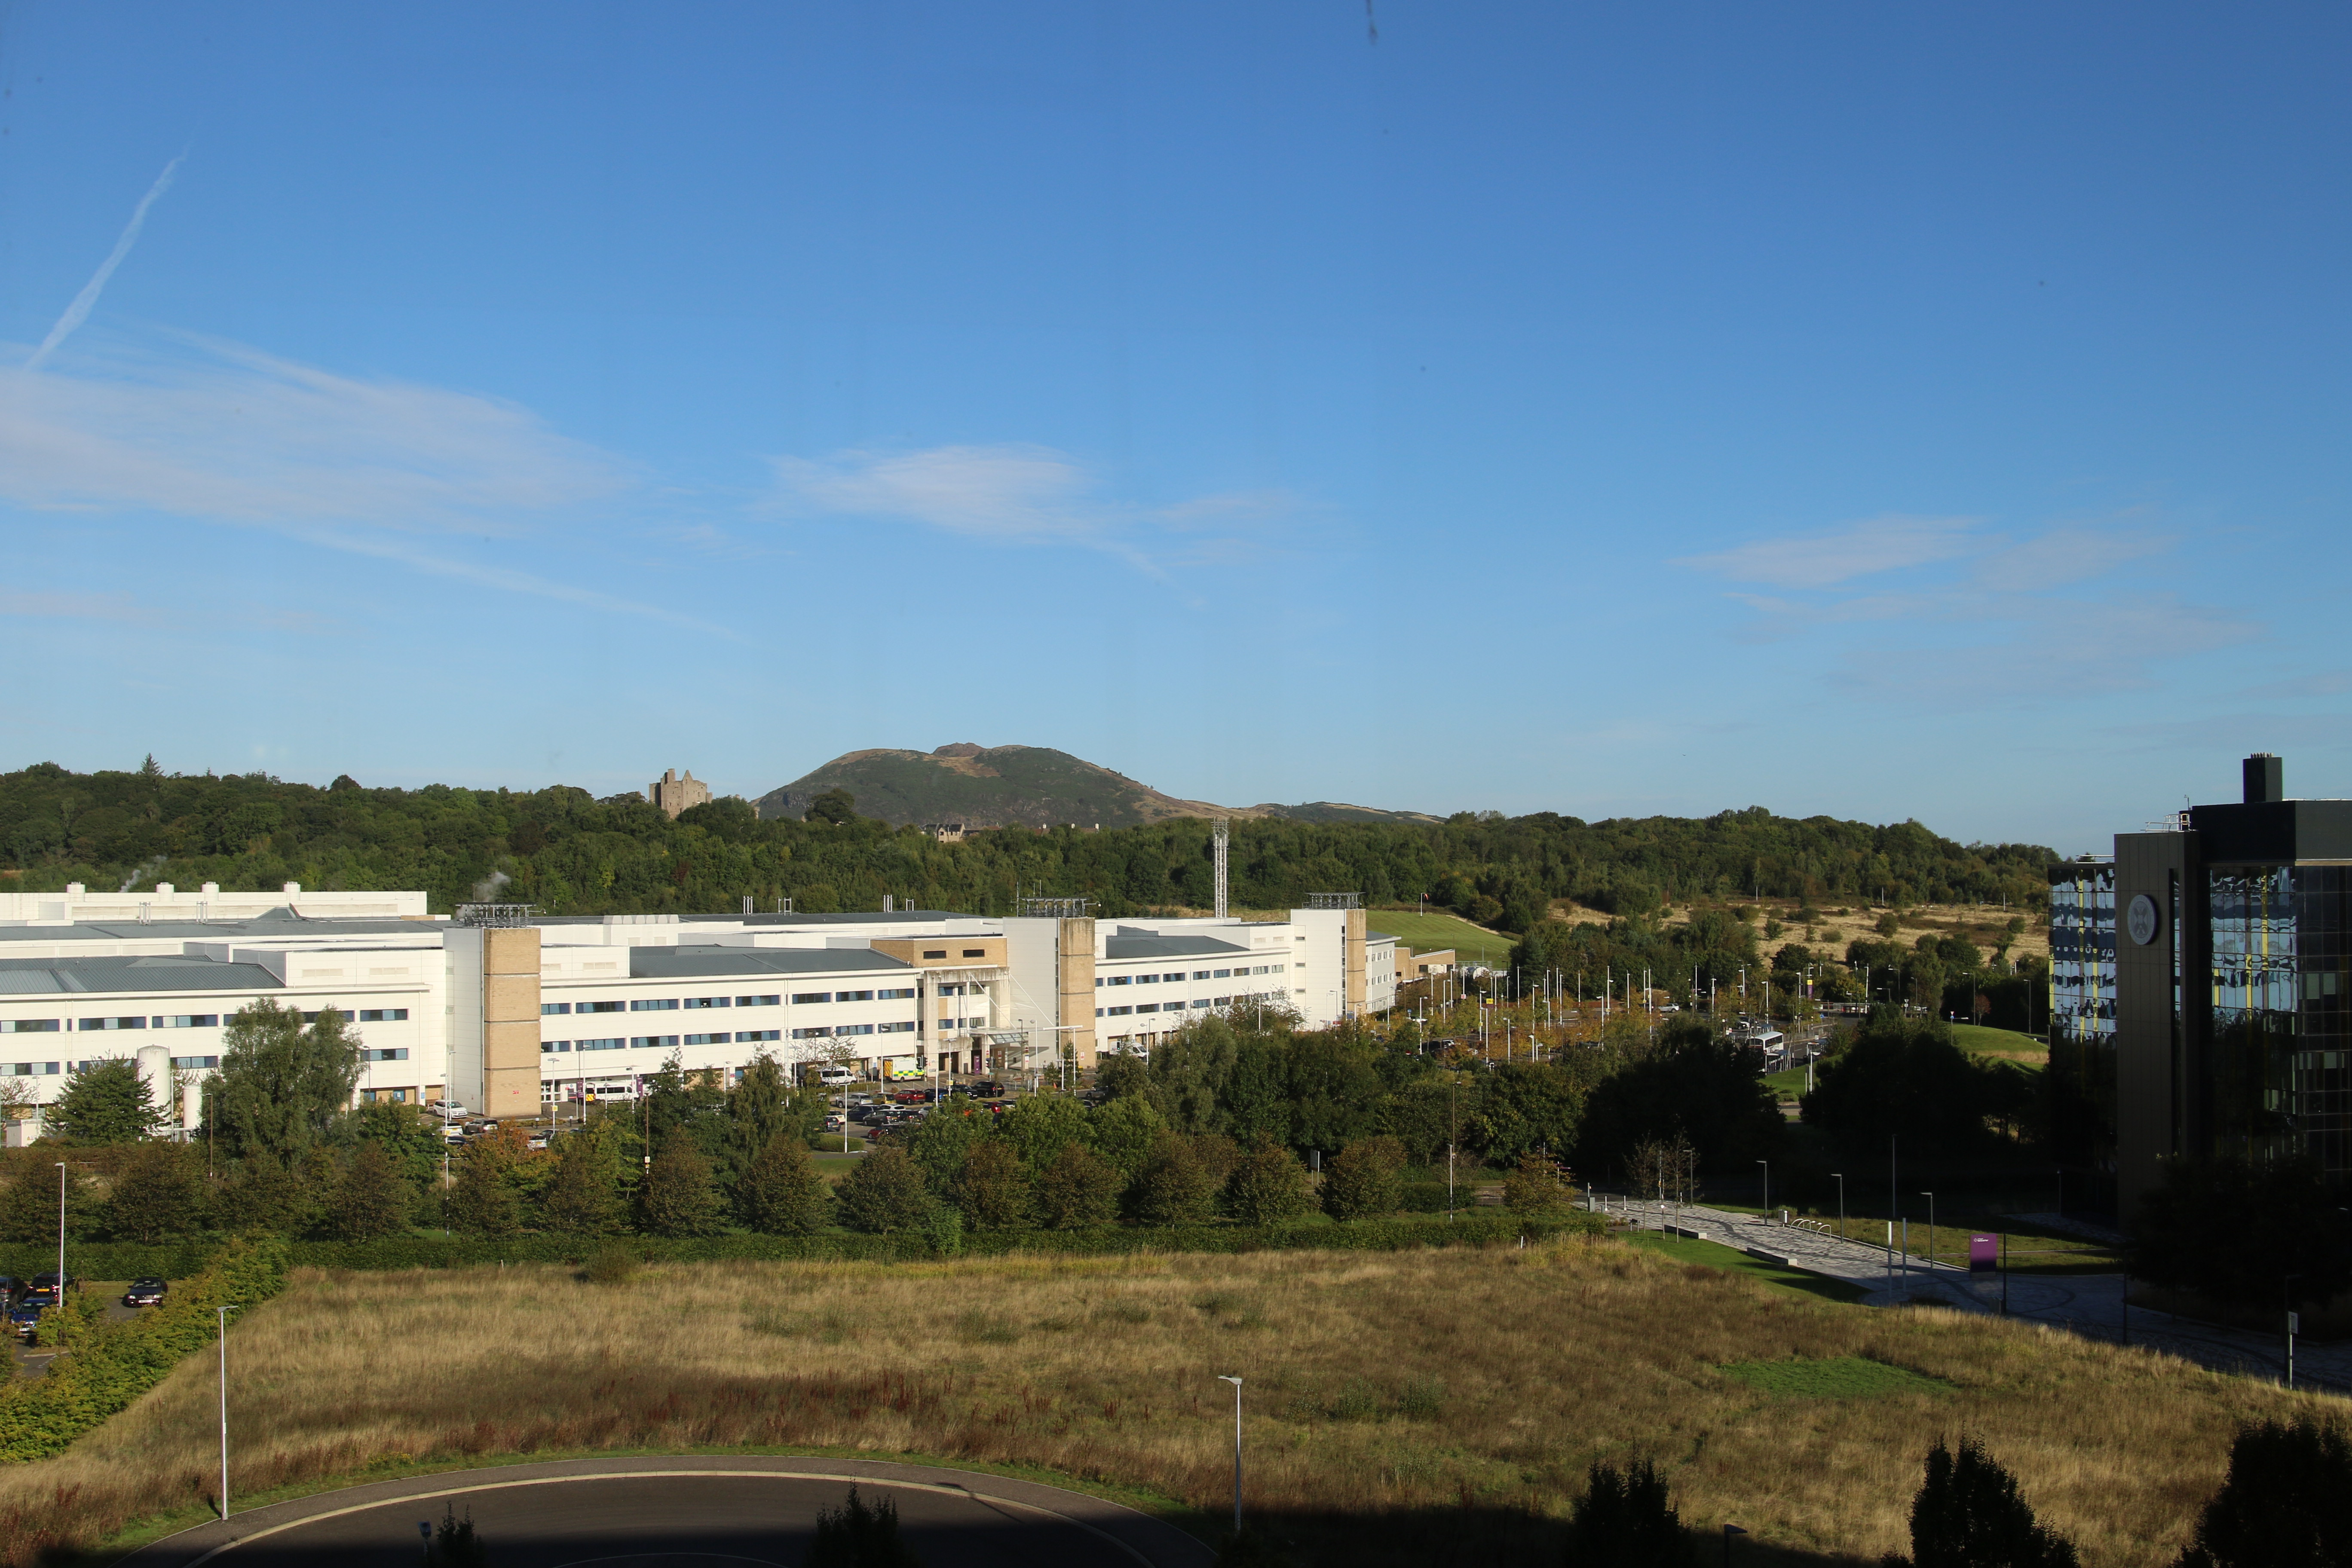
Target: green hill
{"type": "Point", "coordinates": [1020, 787]}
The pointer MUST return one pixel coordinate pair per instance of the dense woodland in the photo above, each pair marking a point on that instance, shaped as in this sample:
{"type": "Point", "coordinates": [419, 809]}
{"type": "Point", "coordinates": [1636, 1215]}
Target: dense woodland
{"type": "Point", "coordinates": [570, 853]}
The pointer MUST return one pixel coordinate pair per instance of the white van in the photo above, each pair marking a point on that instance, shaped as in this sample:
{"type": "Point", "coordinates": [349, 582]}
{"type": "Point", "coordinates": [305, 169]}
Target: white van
{"type": "Point", "coordinates": [830, 1076]}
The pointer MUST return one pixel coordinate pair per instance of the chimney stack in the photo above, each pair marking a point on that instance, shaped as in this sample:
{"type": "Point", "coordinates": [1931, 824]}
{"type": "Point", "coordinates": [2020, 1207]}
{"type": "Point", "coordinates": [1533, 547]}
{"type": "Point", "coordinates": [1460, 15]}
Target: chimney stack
{"type": "Point", "coordinates": [2264, 782]}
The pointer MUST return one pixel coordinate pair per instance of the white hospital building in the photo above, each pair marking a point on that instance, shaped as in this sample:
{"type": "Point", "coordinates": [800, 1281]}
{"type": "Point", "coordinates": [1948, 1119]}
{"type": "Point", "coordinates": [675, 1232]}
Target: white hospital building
{"type": "Point", "coordinates": [507, 1011]}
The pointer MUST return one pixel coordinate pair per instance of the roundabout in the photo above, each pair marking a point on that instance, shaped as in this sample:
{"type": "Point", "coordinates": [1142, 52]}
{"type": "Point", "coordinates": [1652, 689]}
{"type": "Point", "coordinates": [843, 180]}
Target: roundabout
{"type": "Point", "coordinates": [683, 1511]}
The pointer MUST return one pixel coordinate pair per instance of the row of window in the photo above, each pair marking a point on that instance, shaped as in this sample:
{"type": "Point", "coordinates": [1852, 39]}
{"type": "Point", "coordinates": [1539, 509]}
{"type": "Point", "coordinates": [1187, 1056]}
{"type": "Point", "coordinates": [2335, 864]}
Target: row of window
{"type": "Point", "coordinates": [967, 952]}
{"type": "Point", "coordinates": [1179, 1006]}
{"type": "Point", "coordinates": [175, 1021]}
{"type": "Point", "coordinates": [1102, 980]}
{"type": "Point", "coordinates": [398, 1054]}
{"type": "Point", "coordinates": [810, 998]}
{"type": "Point", "coordinates": [837, 1031]}
{"type": "Point", "coordinates": [661, 1042]}
{"type": "Point", "coordinates": [657, 1004]}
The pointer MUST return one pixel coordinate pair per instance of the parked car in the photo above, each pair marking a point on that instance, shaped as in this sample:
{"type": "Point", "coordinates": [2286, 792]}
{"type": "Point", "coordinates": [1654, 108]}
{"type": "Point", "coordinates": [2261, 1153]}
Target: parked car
{"type": "Point", "coordinates": [537, 1139]}
{"type": "Point", "coordinates": [452, 1134]}
{"type": "Point", "coordinates": [447, 1108]}
{"type": "Point", "coordinates": [10, 1287]}
{"type": "Point", "coordinates": [25, 1320]}
{"type": "Point", "coordinates": [986, 1088]}
{"type": "Point", "coordinates": [911, 1096]}
{"type": "Point", "coordinates": [46, 1290]}
{"type": "Point", "coordinates": [144, 1292]}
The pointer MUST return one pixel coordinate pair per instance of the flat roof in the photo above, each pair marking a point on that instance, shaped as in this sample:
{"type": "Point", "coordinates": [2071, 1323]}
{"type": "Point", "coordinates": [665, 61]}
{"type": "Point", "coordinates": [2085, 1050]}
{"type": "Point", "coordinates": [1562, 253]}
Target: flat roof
{"type": "Point", "coordinates": [685, 962]}
{"type": "Point", "coordinates": [76, 976]}
{"type": "Point", "coordinates": [1126, 946]}
{"type": "Point", "coordinates": [277, 922]}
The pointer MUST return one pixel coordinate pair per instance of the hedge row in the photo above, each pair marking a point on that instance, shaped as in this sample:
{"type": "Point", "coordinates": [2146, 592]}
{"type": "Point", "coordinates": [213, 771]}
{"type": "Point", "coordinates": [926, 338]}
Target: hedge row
{"type": "Point", "coordinates": [106, 1365]}
{"type": "Point", "coordinates": [1472, 1227]}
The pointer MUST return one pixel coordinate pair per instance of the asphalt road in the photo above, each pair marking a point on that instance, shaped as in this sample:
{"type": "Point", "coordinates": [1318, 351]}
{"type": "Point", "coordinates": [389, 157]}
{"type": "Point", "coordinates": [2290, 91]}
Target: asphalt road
{"type": "Point", "coordinates": [690, 1512]}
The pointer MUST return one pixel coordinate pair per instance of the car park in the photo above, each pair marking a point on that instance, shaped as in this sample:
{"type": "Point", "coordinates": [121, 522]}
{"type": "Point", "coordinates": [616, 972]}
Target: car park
{"type": "Point", "coordinates": [145, 1291]}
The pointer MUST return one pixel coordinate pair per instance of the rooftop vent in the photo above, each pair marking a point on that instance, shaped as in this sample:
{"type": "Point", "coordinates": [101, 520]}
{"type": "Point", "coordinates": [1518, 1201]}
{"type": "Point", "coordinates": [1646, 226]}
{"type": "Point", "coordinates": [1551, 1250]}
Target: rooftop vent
{"type": "Point", "coordinates": [2263, 781]}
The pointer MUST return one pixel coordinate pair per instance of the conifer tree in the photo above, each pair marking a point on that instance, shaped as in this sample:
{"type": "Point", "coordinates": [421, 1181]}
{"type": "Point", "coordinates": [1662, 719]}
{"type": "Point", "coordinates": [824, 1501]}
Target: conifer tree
{"type": "Point", "coordinates": [1970, 1514]}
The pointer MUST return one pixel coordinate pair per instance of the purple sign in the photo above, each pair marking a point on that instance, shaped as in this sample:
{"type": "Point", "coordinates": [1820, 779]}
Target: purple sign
{"type": "Point", "coordinates": [1984, 1254]}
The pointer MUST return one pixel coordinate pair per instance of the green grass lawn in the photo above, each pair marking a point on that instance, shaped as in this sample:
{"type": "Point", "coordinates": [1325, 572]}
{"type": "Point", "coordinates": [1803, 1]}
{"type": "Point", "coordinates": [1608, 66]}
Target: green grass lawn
{"type": "Point", "coordinates": [1734, 1261]}
{"type": "Point", "coordinates": [1424, 933]}
{"type": "Point", "coordinates": [1976, 1038]}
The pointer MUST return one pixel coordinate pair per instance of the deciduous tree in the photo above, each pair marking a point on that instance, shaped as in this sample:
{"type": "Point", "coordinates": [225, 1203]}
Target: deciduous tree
{"type": "Point", "coordinates": [780, 1193]}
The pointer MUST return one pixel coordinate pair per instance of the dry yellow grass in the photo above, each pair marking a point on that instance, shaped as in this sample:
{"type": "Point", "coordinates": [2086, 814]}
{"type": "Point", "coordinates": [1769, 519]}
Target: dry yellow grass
{"type": "Point", "coordinates": [1382, 1389]}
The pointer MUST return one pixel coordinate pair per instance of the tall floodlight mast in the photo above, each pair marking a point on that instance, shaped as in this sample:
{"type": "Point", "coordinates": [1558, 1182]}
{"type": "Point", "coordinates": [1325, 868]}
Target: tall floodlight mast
{"type": "Point", "coordinates": [1224, 844]}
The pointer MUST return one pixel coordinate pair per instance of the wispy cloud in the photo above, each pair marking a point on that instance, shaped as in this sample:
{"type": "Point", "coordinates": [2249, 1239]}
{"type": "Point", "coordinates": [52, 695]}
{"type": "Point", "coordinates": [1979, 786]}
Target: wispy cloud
{"type": "Point", "coordinates": [1964, 617]}
{"type": "Point", "coordinates": [214, 431]}
{"type": "Point", "coordinates": [79, 311]}
{"type": "Point", "coordinates": [1020, 494]}
{"type": "Point", "coordinates": [1860, 550]}
{"type": "Point", "coordinates": [118, 608]}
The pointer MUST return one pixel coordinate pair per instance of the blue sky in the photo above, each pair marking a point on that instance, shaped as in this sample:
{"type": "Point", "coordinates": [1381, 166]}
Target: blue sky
{"type": "Point", "coordinates": [1880, 410]}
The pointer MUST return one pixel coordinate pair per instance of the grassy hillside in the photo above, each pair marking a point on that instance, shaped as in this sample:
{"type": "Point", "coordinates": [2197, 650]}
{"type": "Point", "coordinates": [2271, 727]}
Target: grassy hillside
{"type": "Point", "coordinates": [1426, 932]}
{"type": "Point", "coordinates": [1033, 786]}
{"type": "Point", "coordinates": [1402, 1409]}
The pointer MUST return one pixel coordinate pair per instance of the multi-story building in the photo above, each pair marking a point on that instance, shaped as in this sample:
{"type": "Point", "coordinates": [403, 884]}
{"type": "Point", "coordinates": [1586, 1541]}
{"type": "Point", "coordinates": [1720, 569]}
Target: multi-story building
{"type": "Point", "coordinates": [673, 795]}
{"type": "Point", "coordinates": [509, 1012]}
{"type": "Point", "coordinates": [2232, 941]}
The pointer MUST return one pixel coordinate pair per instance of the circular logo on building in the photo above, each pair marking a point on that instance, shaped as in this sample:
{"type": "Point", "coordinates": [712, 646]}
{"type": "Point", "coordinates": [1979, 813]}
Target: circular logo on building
{"type": "Point", "coordinates": [2143, 921]}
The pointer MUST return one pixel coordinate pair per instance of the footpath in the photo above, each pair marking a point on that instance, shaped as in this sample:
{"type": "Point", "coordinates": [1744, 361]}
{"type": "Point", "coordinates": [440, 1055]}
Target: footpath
{"type": "Point", "coordinates": [2092, 1305]}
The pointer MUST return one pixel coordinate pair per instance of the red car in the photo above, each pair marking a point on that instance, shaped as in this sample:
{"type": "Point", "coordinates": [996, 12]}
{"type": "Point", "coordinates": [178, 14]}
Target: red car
{"type": "Point", "coordinates": [911, 1097]}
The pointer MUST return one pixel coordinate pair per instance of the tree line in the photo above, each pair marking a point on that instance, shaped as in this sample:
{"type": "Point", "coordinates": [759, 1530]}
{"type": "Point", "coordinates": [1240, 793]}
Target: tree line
{"type": "Point", "coordinates": [568, 852]}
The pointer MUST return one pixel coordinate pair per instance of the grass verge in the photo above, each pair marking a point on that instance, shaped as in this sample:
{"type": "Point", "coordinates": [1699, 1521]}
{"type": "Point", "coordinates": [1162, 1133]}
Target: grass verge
{"type": "Point", "coordinates": [1714, 1254]}
{"type": "Point", "coordinates": [1399, 1404]}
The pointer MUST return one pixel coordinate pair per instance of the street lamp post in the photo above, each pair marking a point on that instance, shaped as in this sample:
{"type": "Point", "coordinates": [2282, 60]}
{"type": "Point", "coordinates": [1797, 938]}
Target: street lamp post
{"type": "Point", "coordinates": [1840, 1177]}
{"type": "Point", "coordinates": [1768, 1189]}
{"type": "Point", "coordinates": [1237, 1450]}
{"type": "Point", "coordinates": [61, 1235]}
{"type": "Point", "coordinates": [1931, 1231]}
{"type": "Point", "coordinates": [223, 1312]}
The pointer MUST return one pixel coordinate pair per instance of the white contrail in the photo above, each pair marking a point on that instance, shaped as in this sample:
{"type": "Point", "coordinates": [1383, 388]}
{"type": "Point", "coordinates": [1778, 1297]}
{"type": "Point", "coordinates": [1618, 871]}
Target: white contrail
{"type": "Point", "coordinates": [82, 302]}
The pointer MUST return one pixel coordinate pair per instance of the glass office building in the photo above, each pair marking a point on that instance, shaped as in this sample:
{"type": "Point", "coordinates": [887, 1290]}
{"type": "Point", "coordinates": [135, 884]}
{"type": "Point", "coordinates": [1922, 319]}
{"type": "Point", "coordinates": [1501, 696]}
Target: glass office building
{"type": "Point", "coordinates": [2230, 936]}
{"type": "Point", "coordinates": [2082, 1035]}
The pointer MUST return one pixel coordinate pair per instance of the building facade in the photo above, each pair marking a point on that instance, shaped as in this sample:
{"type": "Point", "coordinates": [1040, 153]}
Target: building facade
{"type": "Point", "coordinates": [2233, 1007]}
{"type": "Point", "coordinates": [673, 795]}
{"type": "Point", "coordinates": [509, 1013]}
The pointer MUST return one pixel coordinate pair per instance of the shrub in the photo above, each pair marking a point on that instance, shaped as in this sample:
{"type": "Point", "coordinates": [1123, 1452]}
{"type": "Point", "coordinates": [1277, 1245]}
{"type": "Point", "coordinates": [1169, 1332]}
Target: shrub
{"type": "Point", "coordinates": [992, 1190]}
{"type": "Point", "coordinates": [609, 1265]}
{"type": "Point", "coordinates": [480, 1202]}
{"type": "Point", "coordinates": [1077, 1190]}
{"type": "Point", "coordinates": [885, 1192]}
{"type": "Point", "coordinates": [156, 1194]}
{"type": "Point", "coordinates": [678, 1197]}
{"type": "Point", "coordinates": [1535, 1188]}
{"type": "Point", "coordinates": [1364, 1179]}
{"type": "Point", "coordinates": [2287, 1503]}
{"type": "Point", "coordinates": [1624, 1520]}
{"type": "Point", "coordinates": [1176, 1185]}
{"type": "Point", "coordinates": [112, 1363]}
{"type": "Point", "coordinates": [1970, 1514]}
{"type": "Point", "coordinates": [780, 1193]}
{"type": "Point", "coordinates": [1268, 1186]}
{"type": "Point", "coordinates": [371, 1199]}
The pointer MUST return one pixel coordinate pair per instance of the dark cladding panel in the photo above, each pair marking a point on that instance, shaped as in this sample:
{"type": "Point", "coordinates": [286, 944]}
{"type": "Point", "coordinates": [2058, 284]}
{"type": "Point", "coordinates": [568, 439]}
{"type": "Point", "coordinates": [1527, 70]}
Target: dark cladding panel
{"type": "Point", "coordinates": [2148, 1065]}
